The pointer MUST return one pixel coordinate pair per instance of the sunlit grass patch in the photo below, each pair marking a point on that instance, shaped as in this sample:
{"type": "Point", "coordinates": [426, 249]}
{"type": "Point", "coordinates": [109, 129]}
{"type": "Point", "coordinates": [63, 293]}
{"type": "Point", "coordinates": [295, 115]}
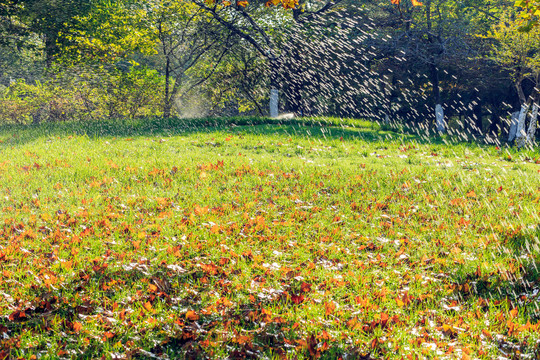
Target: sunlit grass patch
{"type": "Point", "coordinates": [264, 240]}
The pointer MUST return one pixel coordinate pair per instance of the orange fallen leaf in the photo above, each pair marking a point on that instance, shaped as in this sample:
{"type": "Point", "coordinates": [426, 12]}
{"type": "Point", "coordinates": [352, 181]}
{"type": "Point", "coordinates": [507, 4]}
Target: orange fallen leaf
{"type": "Point", "coordinates": [192, 315]}
{"type": "Point", "coordinates": [108, 335]}
{"type": "Point", "coordinates": [297, 299]}
{"type": "Point", "coordinates": [329, 308]}
{"type": "Point", "coordinates": [514, 312]}
{"type": "Point", "coordinates": [148, 306]}
{"type": "Point", "coordinates": [77, 326]}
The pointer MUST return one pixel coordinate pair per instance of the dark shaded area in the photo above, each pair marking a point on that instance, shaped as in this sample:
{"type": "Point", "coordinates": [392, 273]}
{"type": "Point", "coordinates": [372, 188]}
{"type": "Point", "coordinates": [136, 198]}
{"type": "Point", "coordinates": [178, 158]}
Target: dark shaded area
{"type": "Point", "coordinates": [51, 312]}
{"type": "Point", "coordinates": [329, 128]}
{"type": "Point", "coordinates": [315, 127]}
{"type": "Point", "coordinates": [514, 289]}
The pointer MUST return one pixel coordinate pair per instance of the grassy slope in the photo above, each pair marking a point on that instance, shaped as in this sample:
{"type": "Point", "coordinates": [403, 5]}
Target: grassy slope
{"type": "Point", "coordinates": [191, 239]}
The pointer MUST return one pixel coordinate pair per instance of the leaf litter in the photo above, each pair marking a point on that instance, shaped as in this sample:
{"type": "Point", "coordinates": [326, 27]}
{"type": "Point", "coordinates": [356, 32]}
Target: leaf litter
{"type": "Point", "coordinates": [370, 257]}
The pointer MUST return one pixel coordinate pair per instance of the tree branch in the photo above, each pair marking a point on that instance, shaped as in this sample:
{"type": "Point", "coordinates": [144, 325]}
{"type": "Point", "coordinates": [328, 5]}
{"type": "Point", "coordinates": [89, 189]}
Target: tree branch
{"type": "Point", "coordinates": [266, 53]}
{"type": "Point", "coordinates": [297, 12]}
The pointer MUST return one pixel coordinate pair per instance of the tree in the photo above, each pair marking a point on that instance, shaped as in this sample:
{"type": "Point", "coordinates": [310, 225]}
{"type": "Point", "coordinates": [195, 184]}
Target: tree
{"type": "Point", "coordinates": [47, 19]}
{"type": "Point", "coordinates": [178, 38]}
{"type": "Point", "coordinates": [238, 83]}
{"type": "Point", "coordinates": [437, 35]}
{"type": "Point", "coordinates": [191, 45]}
{"type": "Point", "coordinates": [519, 52]}
{"type": "Point", "coordinates": [259, 24]}
{"type": "Point", "coordinates": [530, 14]}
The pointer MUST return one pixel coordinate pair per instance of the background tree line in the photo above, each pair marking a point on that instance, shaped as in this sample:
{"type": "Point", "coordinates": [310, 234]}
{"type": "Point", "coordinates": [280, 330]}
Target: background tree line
{"type": "Point", "coordinates": [464, 66]}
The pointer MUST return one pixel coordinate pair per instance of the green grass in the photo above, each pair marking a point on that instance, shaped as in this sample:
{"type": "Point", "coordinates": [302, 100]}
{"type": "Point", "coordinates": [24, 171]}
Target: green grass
{"type": "Point", "coordinates": [257, 238]}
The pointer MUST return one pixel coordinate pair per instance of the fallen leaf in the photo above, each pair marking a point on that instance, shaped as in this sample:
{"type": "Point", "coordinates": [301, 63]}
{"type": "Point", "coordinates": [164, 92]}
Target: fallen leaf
{"type": "Point", "coordinates": [329, 308]}
{"type": "Point", "coordinates": [192, 315]}
{"type": "Point", "coordinates": [77, 326]}
{"type": "Point", "coordinates": [514, 312]}
{"type": "Point", "coordinates": [148, 306]}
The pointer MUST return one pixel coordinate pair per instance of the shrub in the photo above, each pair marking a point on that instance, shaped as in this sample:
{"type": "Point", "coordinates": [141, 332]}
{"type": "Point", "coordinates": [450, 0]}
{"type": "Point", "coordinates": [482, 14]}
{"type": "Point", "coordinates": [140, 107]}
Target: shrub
{"type": "Point", "coordinates": [115, 93]}
{"type": "Point", "coordinates": [84, 93]}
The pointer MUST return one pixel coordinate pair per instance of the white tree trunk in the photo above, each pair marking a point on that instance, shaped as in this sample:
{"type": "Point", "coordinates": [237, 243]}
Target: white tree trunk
{"type": "Point", "coordinates": [513, 126]}
{"type": "Point", "coordinates": [274, 101]}
{"type": "Point", "coordinates": [531, 132]}
{"type": "Point", "coordinates": [439, 116]}
{"type": "Point", "coordinates": [521, 135]}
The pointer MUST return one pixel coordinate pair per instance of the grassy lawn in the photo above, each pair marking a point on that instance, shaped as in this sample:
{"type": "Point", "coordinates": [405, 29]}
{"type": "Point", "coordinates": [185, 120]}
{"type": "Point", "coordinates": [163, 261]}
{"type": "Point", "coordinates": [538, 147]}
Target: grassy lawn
{"type": "Point", "coordinates": [247, 239]}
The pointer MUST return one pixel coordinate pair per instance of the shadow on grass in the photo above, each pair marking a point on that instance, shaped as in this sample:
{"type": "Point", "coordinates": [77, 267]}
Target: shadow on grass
{"type": "Point", "coordinates": [327, 128]}
{"type": "Point", "coordinates": [99, 319]}
{"type": "Point", "coordinates": [318, 128]}
{"type": "Point", "coordinates": [520, 277]}
{"type": "Point", "coordinates": [513, 286]}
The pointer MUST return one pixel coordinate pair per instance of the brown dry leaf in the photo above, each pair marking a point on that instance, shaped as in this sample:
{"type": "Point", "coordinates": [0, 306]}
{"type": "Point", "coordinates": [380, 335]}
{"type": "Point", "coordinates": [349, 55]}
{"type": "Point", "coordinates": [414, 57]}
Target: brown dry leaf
{"type": "Point", "coordinates": [312, 346]}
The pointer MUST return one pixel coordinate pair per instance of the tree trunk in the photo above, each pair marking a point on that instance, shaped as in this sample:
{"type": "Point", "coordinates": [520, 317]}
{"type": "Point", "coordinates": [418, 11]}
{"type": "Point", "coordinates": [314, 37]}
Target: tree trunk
{"type": "Point", "coordinates": [531, 132]}
{"type": "Point", "coordinates": [50, 49]}
{"type": "Point", "coordinates": [387, 91]}
{"type": "Point", "coordinates": [439, 112]}
{"type": "Point", "coordinates": [167, 103]}
{"type": "Point", "coordinates": [295, 98]}
{"type": "Point", "coordinates": [434, 75]}
{"type": "Point", "coordinates": [513, 126]}
{"type": "Point", "coordinates": [439, 116]}
{"type": "Point", "coordinates": [477, 115]}
{"type": "Point", "coordinates": [274, 93]}
{"type": "Point", "coordinates": [493, 130]}
{"type": "Point", "coordinates": [521, 135]}
{"type": "Point", "coordinates": [274, 102]}
{"type": "Point", "coordinates": [296, 81]}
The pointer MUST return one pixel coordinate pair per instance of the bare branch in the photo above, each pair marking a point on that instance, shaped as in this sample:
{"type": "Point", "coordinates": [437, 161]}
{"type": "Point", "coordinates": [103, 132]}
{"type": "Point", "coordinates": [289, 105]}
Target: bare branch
{"type": "Point", "coordinates": [268, 53]}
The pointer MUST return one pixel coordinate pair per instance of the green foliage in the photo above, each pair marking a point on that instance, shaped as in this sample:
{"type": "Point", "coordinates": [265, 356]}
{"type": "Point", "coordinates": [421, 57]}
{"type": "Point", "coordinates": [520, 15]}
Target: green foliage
{"type": "Point", "coordinates": [45, 19]}
{"type": "Point", "coordinates": [30, 103]}
{"type": "Point", "coordinates": [83, 93]}
{"type": "Point", "coordinates": [112, 92]}
{"type": "Point", "coordinates": [518, 51]}
{"type": "Point", "coordinates": [112, 31]}
{"type": "Point", "coordinates": [530, 14]}
{"type": "Point", "coordinates": [239, 85]}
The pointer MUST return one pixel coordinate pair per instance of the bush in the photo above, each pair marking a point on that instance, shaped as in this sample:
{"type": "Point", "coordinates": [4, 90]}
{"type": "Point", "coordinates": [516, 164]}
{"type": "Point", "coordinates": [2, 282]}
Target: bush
{"type": "Point", "coordinates": [116, 93]}
{"type": "Point", "coordinates": [84, 93]}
